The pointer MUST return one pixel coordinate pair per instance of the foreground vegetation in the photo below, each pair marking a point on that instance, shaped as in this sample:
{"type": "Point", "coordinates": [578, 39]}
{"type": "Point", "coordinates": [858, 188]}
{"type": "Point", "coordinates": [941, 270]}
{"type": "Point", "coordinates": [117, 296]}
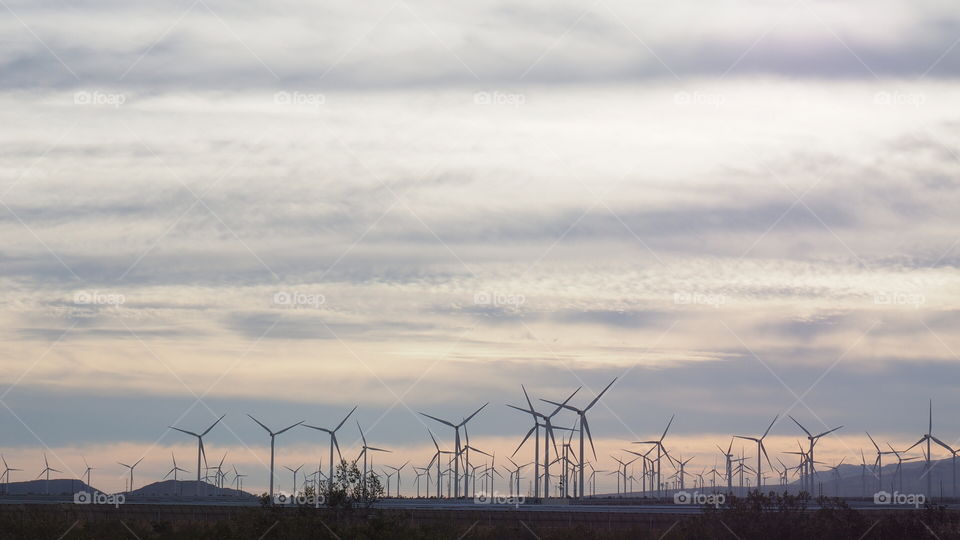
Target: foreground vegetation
{"type": "Point", "coordinates": [755, 517]}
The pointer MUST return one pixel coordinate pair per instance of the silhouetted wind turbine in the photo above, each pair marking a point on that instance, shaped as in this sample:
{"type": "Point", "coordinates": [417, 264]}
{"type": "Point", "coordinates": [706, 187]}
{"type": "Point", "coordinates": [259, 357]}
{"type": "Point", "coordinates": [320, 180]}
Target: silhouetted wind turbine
{"type": "Point", "coordinates": [582, 413]}
{"type": "Point", "coordinates": [928, 437]}
{"type": "Point", "coordinates": [47, 470]}
{"type": "Point", "coordinates": [294, 471]}
{"type": "Point", "coordinates": [363, 453]}
{"type": "Point", "coordinates": [131, 467]}
{"type": "Point", "coordinates": [457, 449]}
{"type": "Point", "coordinates": [659, 445]}
{"type": "Point", "coordinates": [6, 474]}
{"type": "Point", "coordinates": [761, 447]}
{"type": "Point", "coordinates": [200, 450]}
{"type": "Point", "coordinates": [813, 441]}
{"type": "Point", "coordinates": [333, 444]}
{"type": "Point", "coordinates": [273, 438]}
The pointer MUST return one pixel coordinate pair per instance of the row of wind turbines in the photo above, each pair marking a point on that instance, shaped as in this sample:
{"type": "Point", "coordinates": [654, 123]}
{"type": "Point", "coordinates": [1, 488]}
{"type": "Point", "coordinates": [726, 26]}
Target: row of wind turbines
{"type": "Point", "coordinates": [461, 477]}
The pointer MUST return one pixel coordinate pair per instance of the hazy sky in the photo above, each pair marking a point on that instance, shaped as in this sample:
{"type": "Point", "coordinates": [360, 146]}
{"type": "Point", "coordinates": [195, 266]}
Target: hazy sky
{"type": "Point", "coordinates": [740, 208]}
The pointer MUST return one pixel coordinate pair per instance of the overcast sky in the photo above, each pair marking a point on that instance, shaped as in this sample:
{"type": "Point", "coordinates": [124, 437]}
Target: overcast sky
{"type": "Point", "coordinates": [739, 208]}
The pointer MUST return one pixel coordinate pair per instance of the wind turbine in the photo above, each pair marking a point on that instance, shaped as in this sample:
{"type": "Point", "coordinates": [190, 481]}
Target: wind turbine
{"type": "Point", "coordinates": [836, 476]}
{"type": "Point", "coordinates": [812, 471]}
{"type": "Point", "coordinates": [582, 414]}
{"type": "Point", "coordinates": [928, 437]}
{"type": "Point", "coordinates": [294, 471]}
{"type": "Point", "coordinates": [273, 438]}
{"type": "Point", "coordinates": [659, 444]}
{"type": "Point", "coordinates": [174, 470]}
{"type": "Point", "coordinates": [760, 447]}
{"type": "Point", "coordinates": [47, 470]}
{"type": "Point", "coordinates": [363, 453]}
{"type": "Point", "coordinates": [900, 460]}
{"type": "Point", "coordinates": [879, 462]}
{"type": "Point", "coordinates": [624, 465]}
{"type": "Point", "coordinates": [200, 450]}
{"type": "Point", "coordinates": [457, 449]}
{"type": "Point", "coordinates": [131, 467]}
{"type": "Point", "coordinates": [547, 435]}
{"type": "Point", "coordinates": [238, 479]}
{"type": "Point", "coordinates": [333, 444]}
{"type": "Point", "coordinates": [85, 472]}
{"type": "Point", "coordinates": [6, 474]}
{"type": "Point", "coordinates": [397, 470]}
{"type": "Point", "coordinates": [728, 457]}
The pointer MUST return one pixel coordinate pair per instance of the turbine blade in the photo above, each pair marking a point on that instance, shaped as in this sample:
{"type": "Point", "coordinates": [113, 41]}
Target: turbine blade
{"type": "Point", "coordinates": [289, 427]}
{"type": "Point", "coordinates": [875, 442]}
{"type": "Point", "coordinates": [827, 432]}
{"type": "Point", "coordinates": [600, 395]}
{"type": "Point", "coordinates": [668, 428]}
{"type": "Point", "coordinates": [474, 413]}
{"type": "Point", "coordinates": [345, 418]}
{"type": "Point", "coordinates": [770, 426]}
{"type": "Point", "coordinates": [212, 425]}
{"type": "Point", "coordinates": [438, 420]}
{"type": "Point", "coordinates": [801, 426]}
{"type": "Point", "coordinates": [586, 427]}
{"type": "Point", "coordinates": [260, 423]}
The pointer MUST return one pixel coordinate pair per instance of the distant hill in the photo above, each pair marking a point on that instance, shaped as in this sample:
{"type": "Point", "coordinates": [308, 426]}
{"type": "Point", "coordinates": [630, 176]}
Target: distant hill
{"type": "Point", "coordinates": [62, 488]}
{"type": "Point", "coordinates": [56, 486]}
{"type": "Point", "coordinates": [186, 488]}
